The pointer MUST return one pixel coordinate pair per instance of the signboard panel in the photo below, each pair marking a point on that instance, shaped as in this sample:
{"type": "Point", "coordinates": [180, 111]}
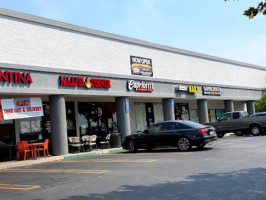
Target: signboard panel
{"type": "Point", "coordinates": [141, 66]}
{"type": "Point", "coordinates": [22, 108]}
{"type": "Point", "coordinates": [209, 90]}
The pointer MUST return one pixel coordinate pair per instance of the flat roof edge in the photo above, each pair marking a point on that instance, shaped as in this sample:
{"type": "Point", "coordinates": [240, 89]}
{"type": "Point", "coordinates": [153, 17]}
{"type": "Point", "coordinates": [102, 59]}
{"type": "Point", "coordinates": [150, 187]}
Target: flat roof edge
{"type": "Point", "coordinates": [63, 25]}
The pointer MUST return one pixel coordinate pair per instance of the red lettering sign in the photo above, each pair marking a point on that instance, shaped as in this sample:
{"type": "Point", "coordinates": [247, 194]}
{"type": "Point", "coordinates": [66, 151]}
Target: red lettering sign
{"type": "Point", "coordinates": [15, 77]}
{"type": "Point", "coordinates": [1, 111]}
{"type": "Point", "coordinates": [80, 82]}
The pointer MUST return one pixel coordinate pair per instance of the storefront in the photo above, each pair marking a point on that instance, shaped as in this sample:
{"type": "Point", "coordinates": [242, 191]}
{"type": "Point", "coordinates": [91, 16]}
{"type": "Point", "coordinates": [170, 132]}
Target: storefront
{"type": "Point", "coordinates": [110, 83]}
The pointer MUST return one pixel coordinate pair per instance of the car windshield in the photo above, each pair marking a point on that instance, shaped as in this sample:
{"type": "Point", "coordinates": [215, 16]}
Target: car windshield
{"type": "Point", "coordinates": [191, 124]}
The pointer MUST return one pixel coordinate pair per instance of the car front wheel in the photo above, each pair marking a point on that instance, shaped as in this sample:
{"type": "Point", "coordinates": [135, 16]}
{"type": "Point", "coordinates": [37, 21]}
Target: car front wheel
{"type": "Point", "coordinates": [132, 147]}
{"type": "Point", "coordinates": [183, 144]}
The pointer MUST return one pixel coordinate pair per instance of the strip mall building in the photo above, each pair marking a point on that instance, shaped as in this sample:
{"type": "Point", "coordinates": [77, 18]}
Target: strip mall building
{"type": "Point", "coordinates": [91, 82]}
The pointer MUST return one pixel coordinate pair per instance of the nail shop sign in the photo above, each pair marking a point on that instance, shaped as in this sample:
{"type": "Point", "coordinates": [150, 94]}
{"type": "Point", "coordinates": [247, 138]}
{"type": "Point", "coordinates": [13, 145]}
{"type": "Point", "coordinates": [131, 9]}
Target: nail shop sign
{"type": "Point", "coordinates": [141, 86]}
{"type": "Point", "coordinates": [209, 90]}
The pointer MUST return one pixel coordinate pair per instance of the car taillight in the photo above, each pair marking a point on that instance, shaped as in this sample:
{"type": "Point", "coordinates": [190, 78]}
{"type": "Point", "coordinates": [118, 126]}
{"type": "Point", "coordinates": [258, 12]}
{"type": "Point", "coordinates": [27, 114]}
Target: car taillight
{"type": "Point", "coordinates": [203, 131]}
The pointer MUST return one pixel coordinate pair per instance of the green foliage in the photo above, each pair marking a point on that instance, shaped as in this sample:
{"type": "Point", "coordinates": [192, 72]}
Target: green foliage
{"type": "Point", "coordinates": [254, 11]}
{"type": "Point", "coordinates": [260, 106]}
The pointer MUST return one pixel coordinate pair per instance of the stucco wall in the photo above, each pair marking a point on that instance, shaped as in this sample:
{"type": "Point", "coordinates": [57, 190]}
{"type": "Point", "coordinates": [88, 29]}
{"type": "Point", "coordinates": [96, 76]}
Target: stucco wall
{"type": "Point", "coordinates": [30, 43]}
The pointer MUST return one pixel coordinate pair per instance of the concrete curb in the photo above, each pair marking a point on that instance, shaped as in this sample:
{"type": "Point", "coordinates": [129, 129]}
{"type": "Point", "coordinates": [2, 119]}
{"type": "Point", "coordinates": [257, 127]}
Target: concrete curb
{"type": "Point", "coordinates": [106, 151]}
{"type": "Point", "coordinates": [15, 163]}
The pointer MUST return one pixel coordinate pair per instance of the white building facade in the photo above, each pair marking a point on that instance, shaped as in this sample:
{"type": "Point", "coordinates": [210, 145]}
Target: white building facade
{"type": "Point", "coordinates": [133, 83]}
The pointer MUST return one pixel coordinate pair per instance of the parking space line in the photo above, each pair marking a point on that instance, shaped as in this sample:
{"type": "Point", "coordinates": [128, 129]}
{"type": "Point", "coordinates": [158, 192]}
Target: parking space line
{"type": "Point", "coordinates": [152, 153]}
{"type": "Point", "coordinates": [78, 171]}
{"type": "Point", "coordinates": [110, 160]}
{"type": "Point", "coordinates": [17, 187]}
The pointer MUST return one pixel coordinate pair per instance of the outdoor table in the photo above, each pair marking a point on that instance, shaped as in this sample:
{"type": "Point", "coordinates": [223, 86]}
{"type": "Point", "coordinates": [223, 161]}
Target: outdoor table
{"type": "Point", "coordinates": [10, 149]}
{"type": "Point", "coordinates": [34, 145]}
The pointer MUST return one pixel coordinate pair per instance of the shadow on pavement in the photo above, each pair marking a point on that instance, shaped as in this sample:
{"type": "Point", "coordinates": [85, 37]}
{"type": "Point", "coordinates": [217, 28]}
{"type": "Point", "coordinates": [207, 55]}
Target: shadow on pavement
{"type": "Point", "coordinates": [237, 185]}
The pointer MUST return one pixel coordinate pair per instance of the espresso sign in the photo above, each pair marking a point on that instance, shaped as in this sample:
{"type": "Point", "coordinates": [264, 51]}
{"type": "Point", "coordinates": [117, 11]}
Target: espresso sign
{"type": "Point", "coordinates": [209, 90]}
{"type": "Point", "coordinates": [141, 66]}
{"type": "Point", "coordinates": [140, 86]}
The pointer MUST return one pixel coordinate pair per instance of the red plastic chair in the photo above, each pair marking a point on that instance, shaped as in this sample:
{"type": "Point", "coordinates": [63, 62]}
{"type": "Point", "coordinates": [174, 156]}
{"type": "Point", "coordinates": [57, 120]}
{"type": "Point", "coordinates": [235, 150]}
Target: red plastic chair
{"type": "Point", "coordinates": [22, 148]}
{"type": "Point", "coordinates": [43, 148]}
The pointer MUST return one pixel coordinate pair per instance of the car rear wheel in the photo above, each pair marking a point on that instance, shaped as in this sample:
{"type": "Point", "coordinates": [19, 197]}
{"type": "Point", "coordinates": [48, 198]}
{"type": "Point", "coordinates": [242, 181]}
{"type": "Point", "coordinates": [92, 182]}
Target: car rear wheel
{"type": "Point", "coordinates": [132, 147]}
{"type": "Point", "coordinates": [220, 135]}
{"type": "Point", "coordinates": [255, 130]}
{"type": "Point", "coordinates": [239, 133]}
{"type": "Point", "coordinates": [183, 144]}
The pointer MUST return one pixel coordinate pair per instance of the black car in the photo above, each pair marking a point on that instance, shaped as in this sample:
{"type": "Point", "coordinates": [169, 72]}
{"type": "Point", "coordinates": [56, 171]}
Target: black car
{"type": "Point", "coordinates": [181, 134]}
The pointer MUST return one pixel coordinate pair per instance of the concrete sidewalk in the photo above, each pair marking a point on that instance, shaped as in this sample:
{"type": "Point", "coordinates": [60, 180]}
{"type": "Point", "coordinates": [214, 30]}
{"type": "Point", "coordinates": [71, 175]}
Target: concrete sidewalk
{"type": "Point", "coordinates": [22, 163]}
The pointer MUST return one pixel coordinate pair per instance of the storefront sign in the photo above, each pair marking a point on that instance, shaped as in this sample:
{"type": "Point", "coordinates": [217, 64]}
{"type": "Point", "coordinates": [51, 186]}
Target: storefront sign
{"type": "Point", "coordinates": [209, 90]}
{"type": "Point", "coordinates": [21, 108]}
{"type": "Point", "coordinates": [15, 77]}
{"type": "Point", "coordinates": [140, 86]}
{"type": "Point", "coordinates": [193, 89]}
{"type": "Point", "coordinates": [84, 82]}
{"type": "Point", "coordinates": [182, 88]}
{"type": "Point", "coordinates": [141, 66]}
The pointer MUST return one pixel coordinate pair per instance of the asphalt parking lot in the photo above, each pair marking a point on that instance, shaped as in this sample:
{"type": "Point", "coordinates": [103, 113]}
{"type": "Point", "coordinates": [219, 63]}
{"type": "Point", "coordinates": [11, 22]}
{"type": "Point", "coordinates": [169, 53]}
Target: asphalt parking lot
{"type": "Point", "coordinates": [231, 168]}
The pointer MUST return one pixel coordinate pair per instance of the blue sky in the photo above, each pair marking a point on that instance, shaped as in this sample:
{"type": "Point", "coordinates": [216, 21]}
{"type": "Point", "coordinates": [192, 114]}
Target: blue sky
{"type": "Point", "coordinates": [211, 27]}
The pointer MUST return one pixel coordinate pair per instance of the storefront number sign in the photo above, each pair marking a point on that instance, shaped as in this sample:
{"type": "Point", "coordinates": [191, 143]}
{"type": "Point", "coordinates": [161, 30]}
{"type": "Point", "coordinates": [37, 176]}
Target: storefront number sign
{"type": "Point", "coordinates": [127, 105]}
{"type": "Point", "coordinates": [172, 103]}
{"type": "Point", "coordinates": [84, 82]}
{"type": "Point", "coordinates": [141, 86]}
{"type": "Point", "coordinates": [209, 90]}
{"type": "Point", "coordinates": [21, 108]}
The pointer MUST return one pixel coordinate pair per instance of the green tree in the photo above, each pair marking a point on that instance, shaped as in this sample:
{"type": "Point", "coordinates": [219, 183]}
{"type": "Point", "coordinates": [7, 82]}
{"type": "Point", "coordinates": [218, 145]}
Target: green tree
{"type": "Point", "coordinates": [260, 106]}
{"type": "Point", "coordinates": [254, 11]}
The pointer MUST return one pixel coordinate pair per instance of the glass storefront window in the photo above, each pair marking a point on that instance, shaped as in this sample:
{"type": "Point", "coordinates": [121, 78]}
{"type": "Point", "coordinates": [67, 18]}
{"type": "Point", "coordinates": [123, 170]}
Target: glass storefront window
{"type": "Point", "coordinates": [194, 115]}
{"type": "Point", "coordinates": [212, 115]}
{"type": "Point", "coordinates": [7, 133]}
{"type": "Point", "coordinates": [181, 111]}
{"type": "Point", "coordinates": [30, 129]}
{"type": "Point", "coordinates": [70, 117]}
{"type": "Point", "coordinates": [97, 118]}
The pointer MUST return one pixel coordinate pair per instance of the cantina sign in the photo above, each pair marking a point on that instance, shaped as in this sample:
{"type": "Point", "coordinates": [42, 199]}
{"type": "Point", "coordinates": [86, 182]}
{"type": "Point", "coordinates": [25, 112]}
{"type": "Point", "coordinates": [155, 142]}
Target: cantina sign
{"type": "Point", "coordinates": [84, 82]}
{"type": "Point", "coordinates": [15, 77]}
{"type": "Point", "coordinates": [209, 90]}
{"type": "Point", "coordinates": [140, 86]}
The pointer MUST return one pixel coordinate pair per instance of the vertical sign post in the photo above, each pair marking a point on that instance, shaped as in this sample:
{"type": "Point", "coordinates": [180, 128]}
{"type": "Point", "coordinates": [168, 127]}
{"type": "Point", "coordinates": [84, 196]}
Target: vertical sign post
{"type": "Point", "coordinates": [127, 105]}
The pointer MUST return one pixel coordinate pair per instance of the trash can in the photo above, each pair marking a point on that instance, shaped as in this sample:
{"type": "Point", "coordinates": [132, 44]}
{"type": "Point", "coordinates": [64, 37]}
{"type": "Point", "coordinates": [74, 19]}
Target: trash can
{"type": "Point", "coordinates": [115, 140]}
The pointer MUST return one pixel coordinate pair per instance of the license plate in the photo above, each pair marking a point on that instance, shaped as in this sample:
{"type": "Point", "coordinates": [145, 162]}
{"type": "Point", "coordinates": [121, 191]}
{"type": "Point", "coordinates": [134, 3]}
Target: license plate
{"type": "Point", "coordinates": [212, 132]}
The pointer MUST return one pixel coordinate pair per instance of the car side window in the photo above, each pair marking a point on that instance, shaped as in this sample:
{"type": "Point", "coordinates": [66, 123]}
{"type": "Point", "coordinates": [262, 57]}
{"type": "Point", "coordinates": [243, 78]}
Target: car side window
{"type": "Point", "coordinates": [170, 126]}
{"type": "Point", "coordinates": [225, 117]}
{"type": "Point", "coordinates": [236, 115]}
{"type": "Point", "coordinates": [156, 128]}
{"type": "Point", "coordinates": [183, 126]}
